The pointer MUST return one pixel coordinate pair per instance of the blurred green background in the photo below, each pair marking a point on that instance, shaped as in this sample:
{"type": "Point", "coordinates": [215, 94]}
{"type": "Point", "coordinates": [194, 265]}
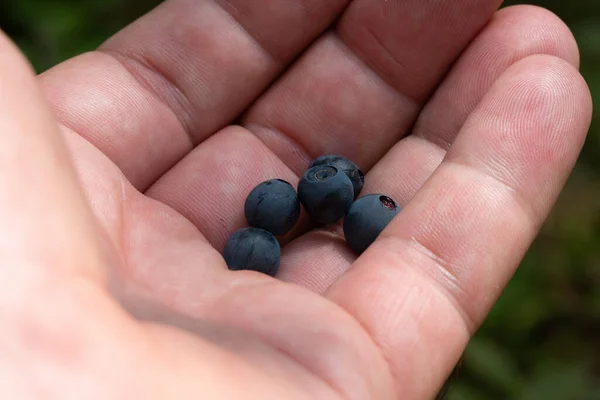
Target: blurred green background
{"type": "Point", "coordinates": [542, 340]}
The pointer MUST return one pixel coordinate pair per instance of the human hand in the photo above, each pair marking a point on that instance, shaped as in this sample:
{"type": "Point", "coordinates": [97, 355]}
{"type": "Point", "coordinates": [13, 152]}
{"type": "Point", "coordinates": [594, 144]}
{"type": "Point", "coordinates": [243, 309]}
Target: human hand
{"type": "Point", "coordinates": [113, 286]}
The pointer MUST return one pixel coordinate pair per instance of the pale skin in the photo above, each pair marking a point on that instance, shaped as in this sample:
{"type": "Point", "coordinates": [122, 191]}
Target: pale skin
{"type": "Point", "coordinates": [124, 171]}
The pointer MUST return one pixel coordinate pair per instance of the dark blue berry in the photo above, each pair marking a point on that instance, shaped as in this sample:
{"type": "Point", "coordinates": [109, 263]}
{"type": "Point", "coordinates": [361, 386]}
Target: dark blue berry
{"type": "Point", "coordinates": [325, 193]}
{"type": "Point", "coordinates": [252, 249]}
{"type": "Point", "coordinates": [366, 219]}
{"type": "Point", "coordinates": [273, 206]}
{"type": "Point", "coordinates": [344, 165]}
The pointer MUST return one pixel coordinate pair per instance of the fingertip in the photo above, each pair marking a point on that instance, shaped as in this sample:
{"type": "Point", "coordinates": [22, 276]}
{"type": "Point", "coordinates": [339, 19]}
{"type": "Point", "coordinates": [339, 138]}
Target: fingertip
{"type": "Point", "coordinates": [555, 35]}
{"type": "Point", "coordinates": [544, 90]}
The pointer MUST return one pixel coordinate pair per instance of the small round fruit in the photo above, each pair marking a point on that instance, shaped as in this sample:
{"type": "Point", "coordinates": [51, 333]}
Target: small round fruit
{"type": "Point", "coordinates": [252, 249]}
{"type": "Point", "coordinates": [325, 193]}
{"type": "Point", "coordinates": [344, 165]}
{"type": "Point", "coordinates": [366, 219]}
{"type": "Point", "coordinates": [273, 206]}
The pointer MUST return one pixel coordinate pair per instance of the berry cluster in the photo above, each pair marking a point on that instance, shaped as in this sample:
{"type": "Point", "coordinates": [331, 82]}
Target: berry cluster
{"type": "Point", "coordinates": [328, 191]}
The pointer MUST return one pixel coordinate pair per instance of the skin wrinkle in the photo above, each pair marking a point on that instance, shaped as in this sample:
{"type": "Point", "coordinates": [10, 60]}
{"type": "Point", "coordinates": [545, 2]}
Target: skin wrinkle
{"type": "Point", "coordinates": [300, 153]}
{"type": "Point", "coordinates": [141, 69]}
{"type": "Point", "coordinates": [304, 10]}
{"type": "Point", "coordinates": [404, 312]}
{"type": "Point", "coordinates": [276, 59]}
{"type": "Point", "coordinates": [449, 284]}
{"type": "Point", "coordinates": [398, 64]}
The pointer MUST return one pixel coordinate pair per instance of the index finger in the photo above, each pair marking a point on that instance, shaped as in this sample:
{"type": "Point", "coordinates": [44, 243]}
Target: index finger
{"type": "Point", "coordinates": [428, 282]}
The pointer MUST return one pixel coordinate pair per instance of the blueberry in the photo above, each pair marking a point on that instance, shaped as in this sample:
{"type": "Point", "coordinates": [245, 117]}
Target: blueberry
{"type": "Point", "coordinates": [273, 206]}
{"type": "Point", "coordinates": [325, 193]}
{"type": "Point", "coordinates": [252, 249]}
{"type": "Point", "coordinates": [344, 165]}
{"type": "Point", "coordinates": [366, 219]}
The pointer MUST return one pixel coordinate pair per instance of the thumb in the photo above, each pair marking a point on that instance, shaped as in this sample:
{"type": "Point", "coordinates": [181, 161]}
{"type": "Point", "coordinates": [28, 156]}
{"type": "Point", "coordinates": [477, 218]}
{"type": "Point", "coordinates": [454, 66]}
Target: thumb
{"type": "Point", "coordinates": [42, 208]}
{"type": "Point", "coordinates": [58, 328]}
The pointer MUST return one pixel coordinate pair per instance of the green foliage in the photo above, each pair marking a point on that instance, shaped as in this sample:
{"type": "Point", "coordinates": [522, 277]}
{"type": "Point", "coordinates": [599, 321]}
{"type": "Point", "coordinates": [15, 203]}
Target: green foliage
{"type": "Point", "coordinates": [50, 31]}
{"type": "Point", "coordinates": [542, 340]}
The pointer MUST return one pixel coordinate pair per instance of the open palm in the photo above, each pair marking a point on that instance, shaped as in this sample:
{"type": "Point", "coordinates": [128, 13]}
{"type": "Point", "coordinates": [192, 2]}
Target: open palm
{"type": "Point", "coordinates": [470, 118]}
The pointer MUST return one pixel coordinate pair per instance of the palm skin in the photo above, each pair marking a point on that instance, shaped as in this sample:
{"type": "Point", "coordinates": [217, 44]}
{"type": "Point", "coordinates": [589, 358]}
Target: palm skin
{"type": "Point", "coordinates": [172, 122]}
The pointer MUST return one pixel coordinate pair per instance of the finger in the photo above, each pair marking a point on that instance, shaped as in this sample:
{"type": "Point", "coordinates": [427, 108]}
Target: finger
{"type": "Point", "coordinates": [429, 280]}
{"type": "Point", "coordinates": [357, 91]}
{"type": "Point", "coordinates": [178, 74]}
{"type": "Point", "coordinates": [42, 206]}
{"type": "Point", "coordinates": [52, 265]}
{"type": "Point", "coordinates": [513, 34]}
{"type": "Point", "coordinates": [331, 100]}
{"type": "Point", "coordinates": [233, 162]}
